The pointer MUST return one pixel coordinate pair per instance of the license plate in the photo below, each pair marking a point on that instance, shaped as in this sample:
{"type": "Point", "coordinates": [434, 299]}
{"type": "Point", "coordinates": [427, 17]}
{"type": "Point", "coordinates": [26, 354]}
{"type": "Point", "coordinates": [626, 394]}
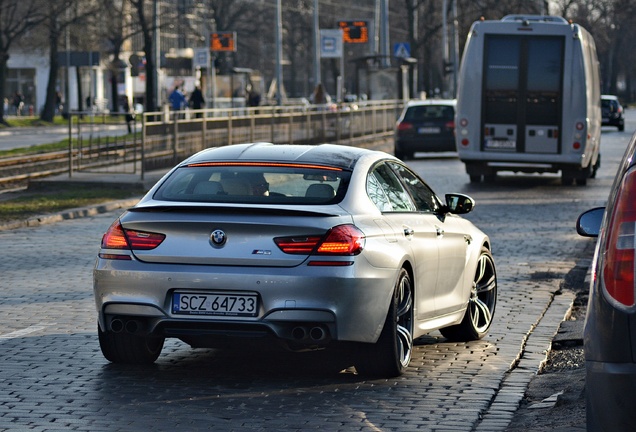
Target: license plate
{"type": "Point", "coordinates": [501, 144]}
{"type": "Point", "coordinates": [219, 304]}
{"type": "Point", "coordinates": [429, 130]}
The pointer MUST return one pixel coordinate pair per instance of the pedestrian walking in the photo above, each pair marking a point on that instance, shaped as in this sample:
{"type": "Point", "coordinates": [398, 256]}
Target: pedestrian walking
{"type": "Point", "coordinates": [58, 103]}
{"type": "Point", "coordinates": [320, 95]}
{"type": "Point", "coordinates": [253, 97]}
{"type": "Point", "coordinates": [130, 115]}
{"type": "Point", "coordinates": [18, 102]}
{"type": "Point", "coordinates": [196, 100]}
{"type": "Point", "coordinates": [177, 99]}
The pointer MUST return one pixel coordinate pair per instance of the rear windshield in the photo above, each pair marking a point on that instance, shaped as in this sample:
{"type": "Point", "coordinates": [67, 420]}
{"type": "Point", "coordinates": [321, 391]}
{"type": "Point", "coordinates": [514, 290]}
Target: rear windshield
{"type": "Point", "coordinates": [429, 112]}
{"type": "Point", "coordinates": [254, 183]}
{"type": "Point", "coordinates": [608, 103]}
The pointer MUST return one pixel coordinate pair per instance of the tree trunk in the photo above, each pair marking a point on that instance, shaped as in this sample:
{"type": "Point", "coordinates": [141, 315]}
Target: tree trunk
{"type": "Point", "coordinates": [80, 95]}
{"type": "Point", "coordinates": [4, 59]}
{"type": "Point", "coordinates": [48, 112]}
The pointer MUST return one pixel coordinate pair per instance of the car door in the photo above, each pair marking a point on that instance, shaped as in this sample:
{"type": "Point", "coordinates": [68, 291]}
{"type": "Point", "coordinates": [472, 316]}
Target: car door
{"type": "Point", "coordinates": [451, 240]}
{"type": "Point", "coordinates": [414, 232]}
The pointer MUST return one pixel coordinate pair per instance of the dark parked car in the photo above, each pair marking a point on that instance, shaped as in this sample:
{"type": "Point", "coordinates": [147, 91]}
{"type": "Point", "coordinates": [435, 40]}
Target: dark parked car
{"type": "Point", "coordinates": [309, 246]}
{"type": "Point", "coordinates": [425, 126]}
{"type": "Point", "coordinates": [612, 112]}
{"type": "Point", "coordinates": [610, 326]}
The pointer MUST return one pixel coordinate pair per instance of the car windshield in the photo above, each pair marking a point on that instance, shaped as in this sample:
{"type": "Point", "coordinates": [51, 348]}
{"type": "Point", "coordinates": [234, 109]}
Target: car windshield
{"type": "Point", "coordinates": [429, 112]}
{"type": "Point", "coordinates": [267, 183]}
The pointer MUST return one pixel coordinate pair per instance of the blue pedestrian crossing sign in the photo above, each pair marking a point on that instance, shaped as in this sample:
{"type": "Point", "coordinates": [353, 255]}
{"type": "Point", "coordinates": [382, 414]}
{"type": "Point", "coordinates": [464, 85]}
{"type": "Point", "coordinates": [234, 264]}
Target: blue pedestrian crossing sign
{"type": "Point", "coordinates": [402, 50]}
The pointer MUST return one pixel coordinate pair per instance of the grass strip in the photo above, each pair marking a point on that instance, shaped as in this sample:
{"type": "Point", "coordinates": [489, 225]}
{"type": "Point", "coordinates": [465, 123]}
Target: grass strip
{"type": "Point", "coordinates": [29, 204]}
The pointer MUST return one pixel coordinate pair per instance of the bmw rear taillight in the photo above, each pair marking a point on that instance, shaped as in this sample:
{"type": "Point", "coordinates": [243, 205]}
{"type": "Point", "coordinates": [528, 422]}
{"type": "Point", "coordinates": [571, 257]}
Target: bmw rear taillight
{"type": "Point", "coordinates": [298, 245]}
{"type": "Point", "coordinates": [118, 238]}
{"type": "Point", "coordinates": [618, 271]}
{"type": "Point", "coordinates": [341, 240]}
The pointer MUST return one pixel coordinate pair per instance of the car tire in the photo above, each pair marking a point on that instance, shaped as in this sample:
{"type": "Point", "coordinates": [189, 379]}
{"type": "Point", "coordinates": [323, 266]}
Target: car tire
{"type": "Point", "coordinates": [567, 179]}
{"type": "Point", "coordinates": [481, 304]}
{"type": "Point", "coordinates": [597, 165]}
{"type": "Point", "coordinates": [391, 354]}
{"type": "Point", "coordinates": [128, 348]}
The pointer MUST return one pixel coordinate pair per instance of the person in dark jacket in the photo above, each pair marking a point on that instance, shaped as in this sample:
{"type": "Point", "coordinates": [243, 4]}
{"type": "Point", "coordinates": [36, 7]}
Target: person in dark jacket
{"type": "Point", "coordinates": [196, 100]}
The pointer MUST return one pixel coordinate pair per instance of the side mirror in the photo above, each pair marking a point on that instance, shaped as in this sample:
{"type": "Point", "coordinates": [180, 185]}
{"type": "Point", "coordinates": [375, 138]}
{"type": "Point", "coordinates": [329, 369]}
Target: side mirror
{"type": "Point", "coordinates": [459, 203]}
{"type": "Point", "coordinates": [589, 223]}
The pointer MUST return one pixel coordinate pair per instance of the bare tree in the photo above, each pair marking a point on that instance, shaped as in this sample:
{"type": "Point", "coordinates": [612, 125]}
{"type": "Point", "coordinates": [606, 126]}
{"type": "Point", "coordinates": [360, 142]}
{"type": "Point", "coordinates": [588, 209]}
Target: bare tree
{"type": "Point", "coordinates": [144, 12]}
{"type": "Point", "coordinates": [17, 17]}
{"type": "Point", "coordinates": [116, 28]}
{"type": "Point", "coordinates": [60, 15]}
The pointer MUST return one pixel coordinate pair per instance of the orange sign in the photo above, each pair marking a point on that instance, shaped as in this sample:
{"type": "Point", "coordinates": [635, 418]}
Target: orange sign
{"type": "Point", "coordinates": [223, 41]}
{"type": "Point", "coordinates": [354, 31]}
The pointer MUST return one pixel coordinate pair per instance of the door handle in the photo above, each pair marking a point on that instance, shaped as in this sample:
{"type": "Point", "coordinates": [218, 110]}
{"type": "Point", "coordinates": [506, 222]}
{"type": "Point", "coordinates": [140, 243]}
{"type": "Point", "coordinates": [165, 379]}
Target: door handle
{"type": "Point", "coordinates": [439, 231]}
{"type": "Point", "coordinates": [408, 232]}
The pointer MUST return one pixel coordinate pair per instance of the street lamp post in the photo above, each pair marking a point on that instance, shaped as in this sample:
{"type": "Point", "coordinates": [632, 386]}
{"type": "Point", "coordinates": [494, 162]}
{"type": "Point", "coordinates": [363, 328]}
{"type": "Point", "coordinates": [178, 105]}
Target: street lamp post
{"type": "Point", "coordinates": [279, 52]}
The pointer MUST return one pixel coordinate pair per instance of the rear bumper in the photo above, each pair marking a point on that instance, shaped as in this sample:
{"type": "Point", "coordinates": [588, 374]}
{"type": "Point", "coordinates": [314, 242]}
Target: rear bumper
{"type": "Point", "coordinates": [613, 121]}
{"type": "Point", "coordinates": [297, 304]}
{"type": "Point", "coordinates": [610, 390]}
{"type": "Point", "coordinates": [429, 144]}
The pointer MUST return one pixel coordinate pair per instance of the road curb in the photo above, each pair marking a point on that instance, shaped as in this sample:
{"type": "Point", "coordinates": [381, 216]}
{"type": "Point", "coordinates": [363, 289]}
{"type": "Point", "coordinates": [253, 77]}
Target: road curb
{"type": "Point", "coordinates": [531, 358]}
{"type": "Point", "coordinates": [74, 213]}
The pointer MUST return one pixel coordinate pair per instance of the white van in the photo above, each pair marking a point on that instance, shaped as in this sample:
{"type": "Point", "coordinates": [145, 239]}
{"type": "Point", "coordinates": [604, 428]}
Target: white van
{"type": "Point", "coordinates": [529, 99]}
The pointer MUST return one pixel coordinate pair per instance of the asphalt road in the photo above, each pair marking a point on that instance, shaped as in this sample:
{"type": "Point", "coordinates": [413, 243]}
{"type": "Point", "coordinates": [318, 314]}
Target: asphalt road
{"type": "Point", "coordinates": [53, 376]}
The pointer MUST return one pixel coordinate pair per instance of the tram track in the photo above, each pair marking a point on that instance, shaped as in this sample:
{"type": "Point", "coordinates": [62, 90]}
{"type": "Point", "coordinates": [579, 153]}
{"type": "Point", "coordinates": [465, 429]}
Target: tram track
{"type": "Point", "coordinates": [17, 171]}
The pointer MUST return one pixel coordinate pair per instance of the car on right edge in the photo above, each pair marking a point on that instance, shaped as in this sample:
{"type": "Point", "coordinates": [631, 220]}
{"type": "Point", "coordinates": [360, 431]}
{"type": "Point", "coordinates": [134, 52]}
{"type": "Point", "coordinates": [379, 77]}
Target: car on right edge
{"type": "Point", "coordinates": [610, 325]}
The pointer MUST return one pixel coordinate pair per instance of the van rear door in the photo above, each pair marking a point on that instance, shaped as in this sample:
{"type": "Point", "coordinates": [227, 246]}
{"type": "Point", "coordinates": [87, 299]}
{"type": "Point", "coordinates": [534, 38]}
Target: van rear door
{"type": "Point", "coordinates": [523, 94]}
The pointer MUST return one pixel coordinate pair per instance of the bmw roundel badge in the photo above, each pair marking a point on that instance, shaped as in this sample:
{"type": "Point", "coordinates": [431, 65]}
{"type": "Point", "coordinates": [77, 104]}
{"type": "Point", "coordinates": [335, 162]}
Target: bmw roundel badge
{"type": "Point", "coordinates": [218, 237]}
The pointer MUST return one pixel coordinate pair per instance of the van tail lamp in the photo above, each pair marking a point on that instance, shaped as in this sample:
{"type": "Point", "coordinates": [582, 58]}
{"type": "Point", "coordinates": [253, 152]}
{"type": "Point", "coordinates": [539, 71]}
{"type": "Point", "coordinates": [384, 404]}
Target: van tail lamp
{"type": "Point", "coordinates": [576, 145]}
{"type": "Point", "coordinates": [618, 269]}
{"type": "Point", "coordinates": [342, 240]}
{"type": "Point", "coordinates": [465, 142]}
{"type": "Point", "coordinates": [580, 126]}
{"type": "Point", "coordinates": [463, 122]}
{"type": "Point", "coordinates": [118, 238]}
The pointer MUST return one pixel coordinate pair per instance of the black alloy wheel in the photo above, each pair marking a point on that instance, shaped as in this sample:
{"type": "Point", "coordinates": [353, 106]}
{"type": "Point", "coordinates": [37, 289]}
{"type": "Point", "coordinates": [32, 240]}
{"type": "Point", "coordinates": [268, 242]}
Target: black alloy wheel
{"type": "Point", "coordinates": [481, 304]}
{"type": "Point", "coordinates": [391, 354]}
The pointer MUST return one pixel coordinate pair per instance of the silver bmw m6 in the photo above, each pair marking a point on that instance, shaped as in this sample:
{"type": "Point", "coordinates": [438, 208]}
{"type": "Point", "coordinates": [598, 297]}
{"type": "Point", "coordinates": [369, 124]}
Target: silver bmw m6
{"type": "Point", "coordinates": [313, 246]}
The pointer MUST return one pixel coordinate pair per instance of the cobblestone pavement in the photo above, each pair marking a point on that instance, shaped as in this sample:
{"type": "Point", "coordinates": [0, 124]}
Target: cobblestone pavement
{"type": "Point", "coordinates": [53, 376]}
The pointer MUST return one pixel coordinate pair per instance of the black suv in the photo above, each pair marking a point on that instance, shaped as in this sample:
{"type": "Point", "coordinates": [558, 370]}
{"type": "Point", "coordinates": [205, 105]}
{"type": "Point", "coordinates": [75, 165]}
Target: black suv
{"type": "Point", "coordinates": [612, 112]}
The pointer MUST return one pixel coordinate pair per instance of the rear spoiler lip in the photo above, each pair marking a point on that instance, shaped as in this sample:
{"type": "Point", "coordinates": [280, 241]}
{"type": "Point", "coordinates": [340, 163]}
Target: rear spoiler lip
{"type": "Point", "coordinates": [225, 209]}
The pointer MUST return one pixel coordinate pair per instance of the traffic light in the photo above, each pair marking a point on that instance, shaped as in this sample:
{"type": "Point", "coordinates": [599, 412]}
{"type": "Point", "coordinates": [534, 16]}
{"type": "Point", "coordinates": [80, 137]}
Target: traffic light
{"type": "Point", "coordinates": [134, 65]}
{"type": "Point", "coordinates": [449, 68]}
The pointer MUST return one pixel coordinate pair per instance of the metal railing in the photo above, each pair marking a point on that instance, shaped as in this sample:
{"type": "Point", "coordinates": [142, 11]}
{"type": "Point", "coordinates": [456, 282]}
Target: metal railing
{"type": "Point", "coordinates": [161, 139]}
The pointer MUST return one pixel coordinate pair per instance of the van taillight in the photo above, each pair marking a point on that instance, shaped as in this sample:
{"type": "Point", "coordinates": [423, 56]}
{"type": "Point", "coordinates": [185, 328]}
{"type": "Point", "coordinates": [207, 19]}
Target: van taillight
{"type": "Point", "coordinates": [118, 238]}
{"type": "Point", "coordinates": [618, 270]}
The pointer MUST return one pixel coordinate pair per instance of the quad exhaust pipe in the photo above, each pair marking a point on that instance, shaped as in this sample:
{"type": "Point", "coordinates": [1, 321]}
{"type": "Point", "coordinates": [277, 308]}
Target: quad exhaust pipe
{"type": "Point", "coordinates": [119, 325]}
{"type": "Point", "coordinates": [313, 334]}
